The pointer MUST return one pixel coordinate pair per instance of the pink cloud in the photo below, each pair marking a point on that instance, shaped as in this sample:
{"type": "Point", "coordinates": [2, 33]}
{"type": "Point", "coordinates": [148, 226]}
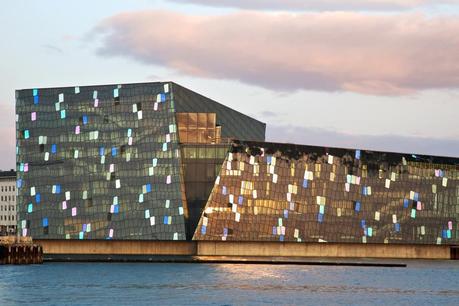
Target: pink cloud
{"type": "Point", "coordinates": [334, 5]}
{"type": "Point", "coordinates": [340, 51]}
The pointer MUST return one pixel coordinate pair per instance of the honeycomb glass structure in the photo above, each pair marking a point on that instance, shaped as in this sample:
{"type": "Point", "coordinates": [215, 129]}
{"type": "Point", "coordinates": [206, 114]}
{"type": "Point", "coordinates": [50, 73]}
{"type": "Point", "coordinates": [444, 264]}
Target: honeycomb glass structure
{"type": "Point", "coordinates": [105, 162]}
{"type": "Point", "coordinates": [294, 193]}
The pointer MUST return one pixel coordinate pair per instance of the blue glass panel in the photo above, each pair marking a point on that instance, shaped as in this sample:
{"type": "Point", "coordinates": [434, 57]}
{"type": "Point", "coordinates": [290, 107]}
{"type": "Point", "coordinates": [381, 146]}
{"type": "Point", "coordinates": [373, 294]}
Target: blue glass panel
{"type": "Point", "coordinates": [116, 209]}
{"type": "Point", "coordinates": [26, 134]}
{"type": "Point", "coordinates": [165, 219]}
{"type": "Point", "coordinates": [320, 218]}
{"type": "Point", "coordinates": [58, 188]}
{"type": "Point", "coordinates": [45, 222]}
{"type": "Point", "coordinates": [114, 151]}
{"type": "Point", "coordinates": [30, 208]}
{"type": "Point", "coordinates": [405, 203]}
{"type": "Point", "coordinates": [285, 213]}
{"type": "Point", "coordinates": [357, 154]}
{"type": "Point", "coordinates": [38, 198]}
{"type": "Point", "coordinates": [357, 206]}
{"type": "Point", "coordinates": [305, 183]}
{"type": "Point", "coordinates": [397, 227]}
{"type": "Point", "coordinates": [63, 114]}
{"type": "Point", "coordinates": [203, 228]}
{"type": "Point", "coordinates": [35, 100]}
{"type": "Point", "coordinates": [85, 119]}
{"type": "Point", "coordinates": [101, 151]}
{"type": "Point", "coordinates": [53, 148]}
{"type": "Point", "coordinates": [148, 188]}
{"type": "Point", "coordinates": [240, 200]}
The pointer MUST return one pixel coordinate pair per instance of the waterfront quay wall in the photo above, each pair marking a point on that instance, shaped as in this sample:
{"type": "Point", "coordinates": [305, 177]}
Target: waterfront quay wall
{"type": "Point", "coordinates": [117, 247]}
{"type": "Point", "coordinates": [324, 250]}
{"type": "Point", "coordinates": [181, 249]}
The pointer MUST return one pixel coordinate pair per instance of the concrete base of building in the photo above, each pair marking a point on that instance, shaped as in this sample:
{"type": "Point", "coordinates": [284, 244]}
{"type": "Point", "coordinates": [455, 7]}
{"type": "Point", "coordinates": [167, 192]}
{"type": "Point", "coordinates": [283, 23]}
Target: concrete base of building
{"type": "Point", "coordinates": [118, 247]}
{"type": "Point", "coordinates": [269, 252]}
{"type": "Point", "coordinates": [335, 250]}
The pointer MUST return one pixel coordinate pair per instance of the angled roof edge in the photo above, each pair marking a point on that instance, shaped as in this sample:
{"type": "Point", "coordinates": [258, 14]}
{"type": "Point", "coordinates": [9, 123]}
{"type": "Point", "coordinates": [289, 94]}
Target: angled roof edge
{"type": "Point", "coordinates": [275, 146]}
{"type": "Point", "coordinates": [96, 85]}
{"type": "Point", "coordinates": [212, 100]}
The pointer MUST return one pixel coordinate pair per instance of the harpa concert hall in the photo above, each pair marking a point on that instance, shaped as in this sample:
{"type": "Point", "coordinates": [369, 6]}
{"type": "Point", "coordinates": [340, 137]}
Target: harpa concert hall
{"type": "Point", "coordinates": [155, 168]}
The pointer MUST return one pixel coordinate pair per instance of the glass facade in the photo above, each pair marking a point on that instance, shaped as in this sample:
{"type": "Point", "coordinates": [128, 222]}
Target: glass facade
{"type": "Point", "coordinates": [201, 164]}
{"type": "Point", "coordinates": [198, 128]}
{"type": "Point", "coordinates": [283, 192]}
{"type": "Point", "coordinates": [156, 161]}
{"type": "Point", "coordinates": [105, 162]}
{"type": "Point", "coordinates": [99, 162]}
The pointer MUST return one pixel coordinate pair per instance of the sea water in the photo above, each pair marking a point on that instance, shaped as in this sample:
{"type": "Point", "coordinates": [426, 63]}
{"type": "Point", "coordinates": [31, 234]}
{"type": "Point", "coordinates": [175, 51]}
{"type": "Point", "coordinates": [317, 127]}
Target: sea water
{"type": "Point", "coordinates": [421, 282]}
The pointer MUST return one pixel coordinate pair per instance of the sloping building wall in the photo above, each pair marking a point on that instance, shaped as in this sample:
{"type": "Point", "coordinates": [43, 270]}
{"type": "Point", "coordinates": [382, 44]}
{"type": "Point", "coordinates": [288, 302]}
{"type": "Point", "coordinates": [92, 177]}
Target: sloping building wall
{"type": "Point", "coordinates": [283, 192]}
{"type": "Point", "coordinates": [99, 162]}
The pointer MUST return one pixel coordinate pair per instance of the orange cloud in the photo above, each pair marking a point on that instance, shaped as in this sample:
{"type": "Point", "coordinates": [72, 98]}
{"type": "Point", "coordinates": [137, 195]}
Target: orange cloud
{"type": "Point", "coordinates": [340, 51]}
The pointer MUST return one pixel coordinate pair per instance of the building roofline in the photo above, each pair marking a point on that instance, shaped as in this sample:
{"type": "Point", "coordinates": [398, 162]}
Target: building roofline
{"type": "Point", "coordinates": [238, 112]}
{"type": "Point", "coordinates": [95, 85]}
{"type": "Point", "coordinates": [452, 159]}
{"type": "Point", "coordinates": [144, 83]}
{"type": "Point", "coordinates": [7, 174]}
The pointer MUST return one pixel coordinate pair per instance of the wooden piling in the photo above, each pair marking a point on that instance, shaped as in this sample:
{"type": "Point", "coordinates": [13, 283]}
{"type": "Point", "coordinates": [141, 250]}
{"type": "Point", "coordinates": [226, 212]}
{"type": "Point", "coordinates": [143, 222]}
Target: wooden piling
{"type": "Point", "coordinates": [22, 252]}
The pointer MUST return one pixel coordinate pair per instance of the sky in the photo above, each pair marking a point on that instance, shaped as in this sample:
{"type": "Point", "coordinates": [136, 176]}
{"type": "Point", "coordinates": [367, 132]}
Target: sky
{"type": "Point", "coordinates": [368, 74]}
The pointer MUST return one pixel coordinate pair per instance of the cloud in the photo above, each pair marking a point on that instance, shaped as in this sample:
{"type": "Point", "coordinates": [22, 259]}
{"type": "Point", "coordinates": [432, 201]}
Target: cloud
{"type": "Point", "coordinates": [390, 143]}
{"type": "Point", "coordinates": [319, 5]}
{"type": "Point", "coordinates": [340, 51]}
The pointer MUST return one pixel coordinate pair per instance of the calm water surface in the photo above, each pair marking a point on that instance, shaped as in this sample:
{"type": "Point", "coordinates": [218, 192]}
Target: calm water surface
{"type": "Point", "coordinates": [422, 282]}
